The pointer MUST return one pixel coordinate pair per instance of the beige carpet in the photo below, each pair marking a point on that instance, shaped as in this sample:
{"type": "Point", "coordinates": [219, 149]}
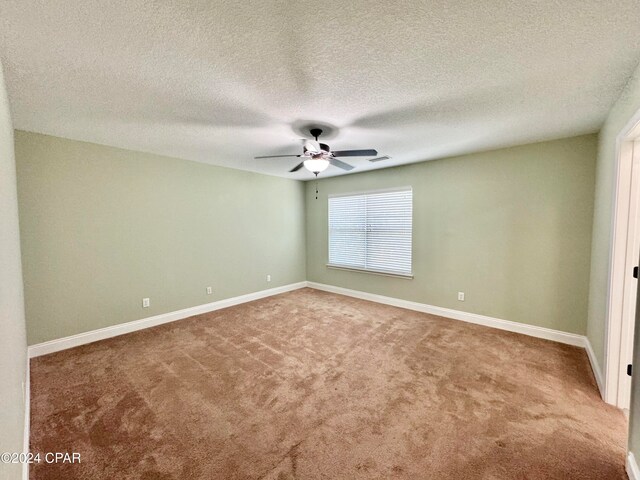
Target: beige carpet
{"type": "Point", "coordinates": [311, 385]}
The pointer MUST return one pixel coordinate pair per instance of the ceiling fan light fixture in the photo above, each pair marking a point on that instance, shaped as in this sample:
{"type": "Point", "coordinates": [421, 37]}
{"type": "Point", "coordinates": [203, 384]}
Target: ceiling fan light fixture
{"type": "Point", "coordinates": [316, 165]}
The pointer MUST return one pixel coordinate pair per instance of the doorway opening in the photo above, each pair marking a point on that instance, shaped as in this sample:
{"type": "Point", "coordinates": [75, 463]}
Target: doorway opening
{"type": "Point", "coordinates": [625, 254]}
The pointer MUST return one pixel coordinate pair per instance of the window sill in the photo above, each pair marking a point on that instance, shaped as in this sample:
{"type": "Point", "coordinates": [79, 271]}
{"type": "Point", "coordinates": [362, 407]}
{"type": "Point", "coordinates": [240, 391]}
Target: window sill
{"type": "Point", "coordinates": [373, 272]}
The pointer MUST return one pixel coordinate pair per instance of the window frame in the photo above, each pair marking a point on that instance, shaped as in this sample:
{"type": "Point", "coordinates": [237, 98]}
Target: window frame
{"type": "Point", "coordinates": [406, 276]}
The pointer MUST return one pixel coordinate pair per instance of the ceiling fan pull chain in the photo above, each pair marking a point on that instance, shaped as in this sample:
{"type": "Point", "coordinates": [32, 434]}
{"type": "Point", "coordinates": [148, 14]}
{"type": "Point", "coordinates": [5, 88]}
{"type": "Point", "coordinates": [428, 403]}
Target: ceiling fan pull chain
{"type": "Point", "coordinates": [316, 185]}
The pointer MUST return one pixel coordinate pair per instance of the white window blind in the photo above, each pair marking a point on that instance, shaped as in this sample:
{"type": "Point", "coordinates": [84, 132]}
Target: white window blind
{"type": "Point", "coordinates": [372, 231]}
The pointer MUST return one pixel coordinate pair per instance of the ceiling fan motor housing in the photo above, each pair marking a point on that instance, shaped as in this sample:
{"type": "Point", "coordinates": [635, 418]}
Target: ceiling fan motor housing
{"type": "Point", "coordinates": [325, 150]}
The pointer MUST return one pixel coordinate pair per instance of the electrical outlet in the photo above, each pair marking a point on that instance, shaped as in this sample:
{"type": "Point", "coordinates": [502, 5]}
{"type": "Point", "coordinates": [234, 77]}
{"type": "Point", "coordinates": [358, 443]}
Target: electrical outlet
{"type": "Point", "coordinates": [209, 290]}
{"type": "Point", "coordinates": [268, 278]}
{"type": "Point", "coordinates": [145, 302]}
{"type": "Point", "coordinates": [461, 296]}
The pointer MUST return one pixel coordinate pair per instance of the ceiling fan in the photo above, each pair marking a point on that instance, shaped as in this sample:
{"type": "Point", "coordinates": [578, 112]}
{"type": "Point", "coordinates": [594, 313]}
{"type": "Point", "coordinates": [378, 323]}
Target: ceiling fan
{"type": "Point", "coordinates": [318, 156]}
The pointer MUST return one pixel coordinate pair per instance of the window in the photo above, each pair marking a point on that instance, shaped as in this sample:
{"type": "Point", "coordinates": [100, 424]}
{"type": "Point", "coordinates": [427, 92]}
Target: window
{"type": "Point", "coordinates": [372, 231]}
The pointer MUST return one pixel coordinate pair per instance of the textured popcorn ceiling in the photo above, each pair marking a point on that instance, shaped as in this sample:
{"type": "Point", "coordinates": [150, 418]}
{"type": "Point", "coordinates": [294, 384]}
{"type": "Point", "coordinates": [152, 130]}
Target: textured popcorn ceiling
{"type": "Point", "coordinates": [223, 81]}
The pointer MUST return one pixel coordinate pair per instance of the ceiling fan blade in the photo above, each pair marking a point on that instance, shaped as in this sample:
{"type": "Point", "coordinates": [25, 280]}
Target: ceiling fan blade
{"type": "Point", "coordinates": [355, 153]}
{"type": "Point", "coordinates": [278, 156]}
{"type": "Point", "coordinates": [379, 159]}
{"type": "Point", "coordinates": [297, 167]}
{"type": "Point", "coordinates": [337, 163]}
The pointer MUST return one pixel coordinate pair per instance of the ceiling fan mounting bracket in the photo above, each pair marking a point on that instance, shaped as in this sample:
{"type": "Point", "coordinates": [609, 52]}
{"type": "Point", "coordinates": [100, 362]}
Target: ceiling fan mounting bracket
{"type": "Point", "coordinates": [315, 132]}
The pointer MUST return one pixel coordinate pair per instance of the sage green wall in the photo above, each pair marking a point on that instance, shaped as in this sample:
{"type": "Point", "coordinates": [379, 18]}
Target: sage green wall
{"type": "Point", "coordinates": [103, 227]}
{"type": "Point", "coordinates": [511, 228]}
{"type": "Point", "coordinates": [13, 345]}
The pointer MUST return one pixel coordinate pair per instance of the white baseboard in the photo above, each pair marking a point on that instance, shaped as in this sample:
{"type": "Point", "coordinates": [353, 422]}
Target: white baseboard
{"type": "Point", "coordinates": [531, 330]}
{"type": "Point", "coordinates": [632, 467]}
{"type": "Point", "coordinates": [128, 327]}
{"type": "Point", "coordinates": [27, 418]}
{"type": "Point", "coordinates": [595, 367]}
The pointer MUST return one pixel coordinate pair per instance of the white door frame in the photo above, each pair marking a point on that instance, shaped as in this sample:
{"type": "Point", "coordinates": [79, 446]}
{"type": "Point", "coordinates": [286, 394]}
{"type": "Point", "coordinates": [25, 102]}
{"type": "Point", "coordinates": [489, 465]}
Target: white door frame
{"type": "Point", "coordinates": [624, 231]}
